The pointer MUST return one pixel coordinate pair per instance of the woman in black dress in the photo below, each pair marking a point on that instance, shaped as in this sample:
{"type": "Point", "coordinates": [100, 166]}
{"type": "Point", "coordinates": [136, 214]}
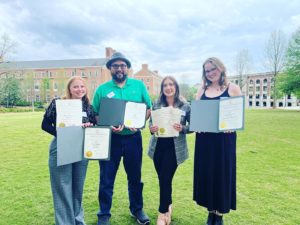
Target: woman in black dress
{"type": "Point", "coordinates": [215, 153]}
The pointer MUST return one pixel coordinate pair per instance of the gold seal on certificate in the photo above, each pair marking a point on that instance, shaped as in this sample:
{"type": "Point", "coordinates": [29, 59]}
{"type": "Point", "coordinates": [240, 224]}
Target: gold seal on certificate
{"type": "Point", "coordinates": [161, 130]}
{"type": "Point", "coordinates": [88, 154]}
{"type": "Point", "coordinates": [61, 124]}
{"type": "Point", "coordinates": [223, 125]}
{"type": "Point", "coordinates": [128, 123]}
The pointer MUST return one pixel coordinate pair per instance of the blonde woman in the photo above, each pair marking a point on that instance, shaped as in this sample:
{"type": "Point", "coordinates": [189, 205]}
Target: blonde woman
{"type": "Point", "coordinates": [67, 181]}
{"type": "Point", "coordinates": [215, 153]}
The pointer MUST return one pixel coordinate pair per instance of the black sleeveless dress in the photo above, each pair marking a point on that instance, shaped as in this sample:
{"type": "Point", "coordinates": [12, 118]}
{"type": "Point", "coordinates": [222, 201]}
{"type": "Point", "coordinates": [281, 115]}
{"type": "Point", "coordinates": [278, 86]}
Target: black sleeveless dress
{"type": "Point", "coordinates": [215, 168]}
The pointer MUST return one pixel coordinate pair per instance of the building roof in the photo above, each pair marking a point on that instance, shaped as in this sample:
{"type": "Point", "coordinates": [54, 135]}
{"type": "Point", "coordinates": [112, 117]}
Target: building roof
{"type": "Point", "coordinates": [53, 64]}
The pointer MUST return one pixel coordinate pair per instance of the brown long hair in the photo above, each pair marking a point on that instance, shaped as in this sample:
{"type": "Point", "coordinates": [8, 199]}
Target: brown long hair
{"type": "Point", "coordinates": [178, 100]}
{"type": "Point", "coordinates": [220, 66]}
{"type": "Point", "coordinates": [68, 91]}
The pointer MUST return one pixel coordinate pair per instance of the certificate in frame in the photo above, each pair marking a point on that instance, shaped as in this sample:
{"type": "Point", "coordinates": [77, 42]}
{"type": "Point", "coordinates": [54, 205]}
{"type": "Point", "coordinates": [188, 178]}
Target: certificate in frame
{"type": "Point", "coordinates": [97, 141]}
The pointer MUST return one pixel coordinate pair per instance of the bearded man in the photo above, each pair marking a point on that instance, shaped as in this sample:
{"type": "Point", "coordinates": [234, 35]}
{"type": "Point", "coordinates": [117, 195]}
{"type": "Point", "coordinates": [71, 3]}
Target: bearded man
{"type": "Point", "coordinates": [125, 142]}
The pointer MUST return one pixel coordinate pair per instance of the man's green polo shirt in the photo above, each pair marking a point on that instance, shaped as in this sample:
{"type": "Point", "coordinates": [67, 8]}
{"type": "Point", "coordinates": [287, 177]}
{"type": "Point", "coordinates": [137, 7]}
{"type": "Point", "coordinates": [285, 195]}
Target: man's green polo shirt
{"type": "Point", "coordinates": [133, 90]}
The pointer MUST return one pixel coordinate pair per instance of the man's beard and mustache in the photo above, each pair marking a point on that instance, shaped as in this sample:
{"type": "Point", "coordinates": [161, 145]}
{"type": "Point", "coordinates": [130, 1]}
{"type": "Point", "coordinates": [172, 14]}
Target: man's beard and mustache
{"type": "Point", "coordinates": [119, 77]}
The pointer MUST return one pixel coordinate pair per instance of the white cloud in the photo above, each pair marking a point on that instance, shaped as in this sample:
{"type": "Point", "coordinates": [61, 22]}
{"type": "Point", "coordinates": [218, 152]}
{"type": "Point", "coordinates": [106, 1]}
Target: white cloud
{"type": "Point", "coordinates": [173, 37]}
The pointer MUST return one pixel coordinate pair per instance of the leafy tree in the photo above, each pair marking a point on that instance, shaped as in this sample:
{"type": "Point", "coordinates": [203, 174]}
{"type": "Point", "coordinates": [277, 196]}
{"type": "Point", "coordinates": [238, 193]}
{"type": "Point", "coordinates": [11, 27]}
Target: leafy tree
{"type": "Point", "coordinates": [10, 91]}
{"type": "Point", "coordinates": [187, 92]}
{"type": "Point", "coordinates": [45, 86]}
{"type": "Point", "coordinates": [289, 81]}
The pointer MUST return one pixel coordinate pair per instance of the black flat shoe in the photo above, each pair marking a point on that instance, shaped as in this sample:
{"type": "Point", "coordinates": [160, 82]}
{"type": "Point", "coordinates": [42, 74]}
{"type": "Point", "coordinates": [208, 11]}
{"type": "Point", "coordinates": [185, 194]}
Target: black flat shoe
{"type": "Point", "coordinates": [210, 218]}
{"type": "Point", "coordinates": [218, 220]}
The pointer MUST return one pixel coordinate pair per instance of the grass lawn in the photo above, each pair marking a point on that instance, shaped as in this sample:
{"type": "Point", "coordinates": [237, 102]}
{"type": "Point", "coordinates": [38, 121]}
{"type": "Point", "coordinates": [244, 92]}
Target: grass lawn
{"type": "Point", "coordinates": [268, 175]}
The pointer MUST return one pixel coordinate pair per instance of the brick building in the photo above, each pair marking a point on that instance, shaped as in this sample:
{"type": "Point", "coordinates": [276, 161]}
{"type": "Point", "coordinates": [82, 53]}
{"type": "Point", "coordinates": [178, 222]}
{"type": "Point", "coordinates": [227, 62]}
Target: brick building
{"type": "Point", "coordinates": [43, 80]}
{"type": "Point", "coordinates": [150, 78]}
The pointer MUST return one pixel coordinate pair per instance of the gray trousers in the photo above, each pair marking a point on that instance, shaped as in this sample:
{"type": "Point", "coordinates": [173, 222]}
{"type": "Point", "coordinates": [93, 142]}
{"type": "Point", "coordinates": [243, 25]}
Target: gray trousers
{"type": "Point", "coordinates": [67, 183]}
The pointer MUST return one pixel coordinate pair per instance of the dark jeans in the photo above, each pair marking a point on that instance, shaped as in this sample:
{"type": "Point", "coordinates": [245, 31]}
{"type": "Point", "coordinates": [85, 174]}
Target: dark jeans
{"type": "Point", "coordinates": [165, 164]}
{"type": "Point", "coordinates": [130, 147]}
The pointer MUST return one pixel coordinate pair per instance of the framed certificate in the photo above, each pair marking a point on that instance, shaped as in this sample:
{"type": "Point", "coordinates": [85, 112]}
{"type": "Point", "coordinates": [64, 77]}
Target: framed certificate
{"type": "Point", "coordinates": [97, 143]}
{"type": "Point", "coordinates": [231, 113]}
{"type": "Point", "coordinates": [218, 115]}
{"type": "Point", "coordinates": [115, 112]}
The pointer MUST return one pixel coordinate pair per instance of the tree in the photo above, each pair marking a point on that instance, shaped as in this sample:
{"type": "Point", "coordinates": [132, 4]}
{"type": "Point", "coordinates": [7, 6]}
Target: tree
{"type": "Point", "coordinates": [187, 92]}
{"type": "Point", "coordinates": [242, 63]}
{"type": "Point", "coordinates": [274, 52]}
{"type": "Point", "coordinates": [289, 81]}
{"type": "Point", "coordinates": [45, 87]}
{"type": "Point", "coordinates": [29, 87]}
{"type": "Point", "coordinates": [10, 91]}
{"type": "Point", "coordinates": [7, 45]}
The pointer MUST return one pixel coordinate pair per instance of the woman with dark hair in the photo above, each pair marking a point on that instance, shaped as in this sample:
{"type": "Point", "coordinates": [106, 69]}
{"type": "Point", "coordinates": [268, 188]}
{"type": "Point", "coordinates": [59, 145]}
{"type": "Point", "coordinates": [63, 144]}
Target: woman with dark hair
{"type": "Point", "coordinates": [168, 152]}
{"type": "Point", "coordinates": [215, 153]}
{"type": "Point", "coordinates": [67, 181]}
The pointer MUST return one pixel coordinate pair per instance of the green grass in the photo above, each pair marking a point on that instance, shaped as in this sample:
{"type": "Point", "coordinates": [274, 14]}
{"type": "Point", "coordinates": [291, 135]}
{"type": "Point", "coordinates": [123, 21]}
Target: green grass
{"type": "Point", "coordinates": [268, 180]}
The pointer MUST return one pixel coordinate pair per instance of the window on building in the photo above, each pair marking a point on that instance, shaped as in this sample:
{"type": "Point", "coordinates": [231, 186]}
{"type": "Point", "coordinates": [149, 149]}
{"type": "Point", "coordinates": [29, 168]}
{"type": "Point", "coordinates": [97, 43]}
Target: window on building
{"type": "Point", "coordinates": [264, 104]}
{"type": "Point", "coordinates": [55, 86]}
{"type": "Point", "coordinates": [236, 82]}
{"type": "Point", "coordinates": [289, 104]}
{"type": "Point", "coordinates": [257, 82]}
{"type": "Point", "coordinates": [280, 104]}
{"type": "Point", "coordinates": [265, 88]}
{"type": "Point", "coordinates": [251, 82]}
{"type": "Point", "coordinates": [271, 104]}
{"type": "Point", "coordinates": [257, 88]}
{"type": "Point", "coordinates": [257, 96]}
{"type": "Point", "coordinates": [36, 86]}
{"type": "Point", "coordinates": [289, 97]}
{"type": "Point", "coordinates": [251, 89]}
{"type": "Point", "coordinates": [82, 74]}
{"type": "Point", "coordinates": [250, 96]}
{"type": "Point", "coordinates": [257, 103]}
{"type": "Point", "coordinates": [48, 98]}
{"type": "Point", "coordinates": [50, 74]}
{"type": "Point", "coordinates": [264, 96]}
{"type": "Point", "coordinates": [37, 98]}
{"type": "Point", "coordinates": [250, 103]}
{"type": "Point", "coordinates": [265, 81]}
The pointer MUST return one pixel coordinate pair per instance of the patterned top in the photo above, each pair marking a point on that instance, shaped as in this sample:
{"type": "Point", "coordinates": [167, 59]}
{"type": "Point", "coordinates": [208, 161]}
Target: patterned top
{"type": "Point", "coordinates": [180, 143]}
{"type": "Point", "coordinates": [49, 120]}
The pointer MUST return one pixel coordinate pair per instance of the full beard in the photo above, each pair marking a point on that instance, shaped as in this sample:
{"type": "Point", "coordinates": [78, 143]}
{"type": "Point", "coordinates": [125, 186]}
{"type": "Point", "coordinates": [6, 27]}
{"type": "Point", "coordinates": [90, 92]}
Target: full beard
{"type": "Point", "coordinates": [119, 79]}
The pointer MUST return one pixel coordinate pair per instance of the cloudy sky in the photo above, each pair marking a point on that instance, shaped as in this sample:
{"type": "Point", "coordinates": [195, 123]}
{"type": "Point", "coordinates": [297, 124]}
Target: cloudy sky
{"type": "Point", "coordinates": [172, 36]}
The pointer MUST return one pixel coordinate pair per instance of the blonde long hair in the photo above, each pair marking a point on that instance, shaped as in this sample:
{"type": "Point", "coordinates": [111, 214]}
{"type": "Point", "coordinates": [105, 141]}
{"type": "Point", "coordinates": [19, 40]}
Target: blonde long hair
{"type": "Point", "coordinates": [220, 66]}
{"type": "Point", "coordinates": [68, 91]}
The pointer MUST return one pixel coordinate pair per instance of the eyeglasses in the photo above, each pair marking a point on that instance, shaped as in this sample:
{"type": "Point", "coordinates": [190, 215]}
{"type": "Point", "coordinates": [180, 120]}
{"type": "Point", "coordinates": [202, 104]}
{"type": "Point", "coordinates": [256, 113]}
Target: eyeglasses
{"type": "Point", "coordinates": [211, 70]}
{"type": "Point", "coordinates": [116, 66]}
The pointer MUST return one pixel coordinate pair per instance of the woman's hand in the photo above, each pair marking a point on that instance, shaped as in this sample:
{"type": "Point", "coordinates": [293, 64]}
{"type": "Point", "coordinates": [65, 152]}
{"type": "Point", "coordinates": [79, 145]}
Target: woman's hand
{"type": "Point", "coordinates": [117, 129]}
{"type": "Point", "coordinates": [153, 129]}
{"type": "Point", "coordinates": [178, 127]}
{"type": "Point", "coordinates": [88, 124]}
